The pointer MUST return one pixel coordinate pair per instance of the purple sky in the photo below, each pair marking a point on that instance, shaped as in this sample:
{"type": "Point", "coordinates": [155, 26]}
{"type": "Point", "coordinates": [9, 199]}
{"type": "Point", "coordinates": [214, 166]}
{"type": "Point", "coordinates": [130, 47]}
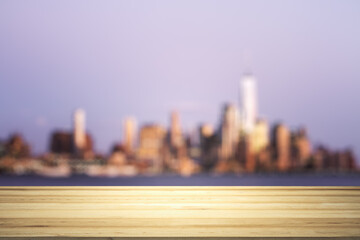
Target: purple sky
{"type": "Point", "coordinates": [144, 58]}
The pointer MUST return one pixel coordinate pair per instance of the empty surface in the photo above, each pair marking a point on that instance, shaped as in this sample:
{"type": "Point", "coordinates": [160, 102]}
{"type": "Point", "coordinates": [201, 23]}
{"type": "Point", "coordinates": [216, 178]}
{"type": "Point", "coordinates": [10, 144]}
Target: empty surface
{"type": "Point", "coordinates": [180, 211]}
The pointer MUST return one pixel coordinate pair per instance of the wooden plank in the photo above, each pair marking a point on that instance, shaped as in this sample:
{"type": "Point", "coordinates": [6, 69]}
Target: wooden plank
{"type": "Point", "coordinates": [102, 212]}
{"type": "Point", "coordinates": [179, 238]}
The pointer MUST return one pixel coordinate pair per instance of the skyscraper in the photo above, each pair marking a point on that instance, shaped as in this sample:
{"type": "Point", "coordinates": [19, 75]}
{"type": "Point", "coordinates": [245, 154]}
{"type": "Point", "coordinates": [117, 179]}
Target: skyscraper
{"type": "Point", "coordinates": [129, 133]}
{"type": "Point", "coordinates": [61, 142]}
{"type": "Point", "coordinates": [300, 148]}
{"type": "Point", "coordinates": [229, 131]}
{"type": "Point", "coordinates": [281, 142]}
{"type": "Point", "coordinates": [260, 136]}
{"type": "Point", "coordinates": [151, 144]}
{"type": "Point", "coordinates": [248, 103]}
{"type": "Point", "coordinates": [206, 130]}
{"type": "Point", "coordinates": [79, 131]}
{"type": "Point", "coordinates": [176, 138]}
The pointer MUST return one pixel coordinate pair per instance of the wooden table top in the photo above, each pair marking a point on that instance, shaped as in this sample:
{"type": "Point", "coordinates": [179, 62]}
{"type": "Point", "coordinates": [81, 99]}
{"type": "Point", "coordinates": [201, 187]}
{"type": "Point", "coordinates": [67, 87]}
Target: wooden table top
{"type": "Point", "coordinates": [179, 212]}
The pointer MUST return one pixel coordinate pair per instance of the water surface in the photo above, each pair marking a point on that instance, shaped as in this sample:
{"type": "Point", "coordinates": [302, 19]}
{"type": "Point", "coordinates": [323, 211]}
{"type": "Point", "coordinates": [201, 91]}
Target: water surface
{"type": "Point", "coordinates": [198, 180]}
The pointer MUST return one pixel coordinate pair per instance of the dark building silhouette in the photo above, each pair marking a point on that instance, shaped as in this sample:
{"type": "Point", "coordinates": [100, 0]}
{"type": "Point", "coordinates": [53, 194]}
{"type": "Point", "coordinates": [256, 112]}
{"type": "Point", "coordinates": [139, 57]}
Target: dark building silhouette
{"type": "Point", "coordinates": [61, 142]}
{"type": "Point", "coordinates": [119, 148]}
{"type": "Point", "coordinates": [209, 151]}
{"type": "Point", "coordinates": [300, 149]}
{"type": "Point", "coordinates": [2, 148]}
{"type": "Point", "coordinates": [325, 159]}
{"type": "Point", "coordinates": [16, 147]}
{"type": "Point", "coordinates": [347, 161]}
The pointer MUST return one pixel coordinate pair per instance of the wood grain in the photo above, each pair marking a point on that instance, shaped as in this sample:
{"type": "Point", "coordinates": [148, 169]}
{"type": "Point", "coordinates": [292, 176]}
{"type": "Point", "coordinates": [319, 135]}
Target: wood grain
{"type": "Point", "coordinates": [180, 212]}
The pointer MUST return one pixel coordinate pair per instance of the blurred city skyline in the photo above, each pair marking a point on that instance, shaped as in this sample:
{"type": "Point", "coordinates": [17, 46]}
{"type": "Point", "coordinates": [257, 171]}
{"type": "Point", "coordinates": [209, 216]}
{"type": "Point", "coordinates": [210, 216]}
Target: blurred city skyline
{"type": "Point", "coordinates": [146, 58]}
{"type": "Point", "coordinates": [243, 142]}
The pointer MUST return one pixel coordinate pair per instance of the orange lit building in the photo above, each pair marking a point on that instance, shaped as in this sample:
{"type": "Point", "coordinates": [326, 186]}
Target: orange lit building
{"type": "Point", "coordinates": [281, 147]}
{"type": "Point", "coordinates": [151, 142]}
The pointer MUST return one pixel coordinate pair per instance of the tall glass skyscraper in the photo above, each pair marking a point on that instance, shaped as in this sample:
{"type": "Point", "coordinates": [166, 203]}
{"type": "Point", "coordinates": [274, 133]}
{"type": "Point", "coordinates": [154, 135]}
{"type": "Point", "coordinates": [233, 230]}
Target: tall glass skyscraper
{"type": "Point", "coordinates": [248, 103]}
{"type": "Point", "coordinates": [79, 130]}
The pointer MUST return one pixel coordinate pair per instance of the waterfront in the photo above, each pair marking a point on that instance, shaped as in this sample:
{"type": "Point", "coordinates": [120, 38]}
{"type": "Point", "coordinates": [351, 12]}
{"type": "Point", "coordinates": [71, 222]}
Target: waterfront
{"type": "Point", "coordinates": [196, 180]}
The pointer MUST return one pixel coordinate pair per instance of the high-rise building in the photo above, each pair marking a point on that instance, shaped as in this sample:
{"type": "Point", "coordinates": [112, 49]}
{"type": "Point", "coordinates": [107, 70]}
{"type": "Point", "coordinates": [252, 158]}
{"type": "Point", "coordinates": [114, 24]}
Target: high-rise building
{"type": "Point", "coordinates": [253, 148]}
{"type": "Point", "coordinates": [229, 131]}
{"type": "Point", "coordinates": [79, 131]}
{"type": "Point", "coordinates": [17, 147]}
{"type": "Point", "coordinates": [281, 142]}
{"type": "Point", "coordinates": [61, 142]}
{"type": "Point", "coordinates": [206, 130]}
{"type": "Point", "coordinates": [129, 134]}
{"type": "Point", "coordinates": [151, 145]}
{"type": "Point", "coordinates": [208, 145]}
{"type": "Point", "coordinates": [176, 138]}
{"type": "Point", "coordinates": [301, 148]}
{"type": "Point", "coordinates": [248, 153]}
{"type": "Point", "coordinates": [259, 137]}
{"type": "Point", "coordinates": [248, 103]}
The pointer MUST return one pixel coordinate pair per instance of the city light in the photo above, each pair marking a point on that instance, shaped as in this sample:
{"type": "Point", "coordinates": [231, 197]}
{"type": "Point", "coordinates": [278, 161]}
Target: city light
{"type": "Point", "coordinates": [242, 143]}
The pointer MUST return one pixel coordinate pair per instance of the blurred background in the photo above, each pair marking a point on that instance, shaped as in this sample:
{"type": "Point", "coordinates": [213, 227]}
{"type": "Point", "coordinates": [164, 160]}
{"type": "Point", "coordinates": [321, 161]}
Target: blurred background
{"type": "Point", "coordinates": [150, 92]}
